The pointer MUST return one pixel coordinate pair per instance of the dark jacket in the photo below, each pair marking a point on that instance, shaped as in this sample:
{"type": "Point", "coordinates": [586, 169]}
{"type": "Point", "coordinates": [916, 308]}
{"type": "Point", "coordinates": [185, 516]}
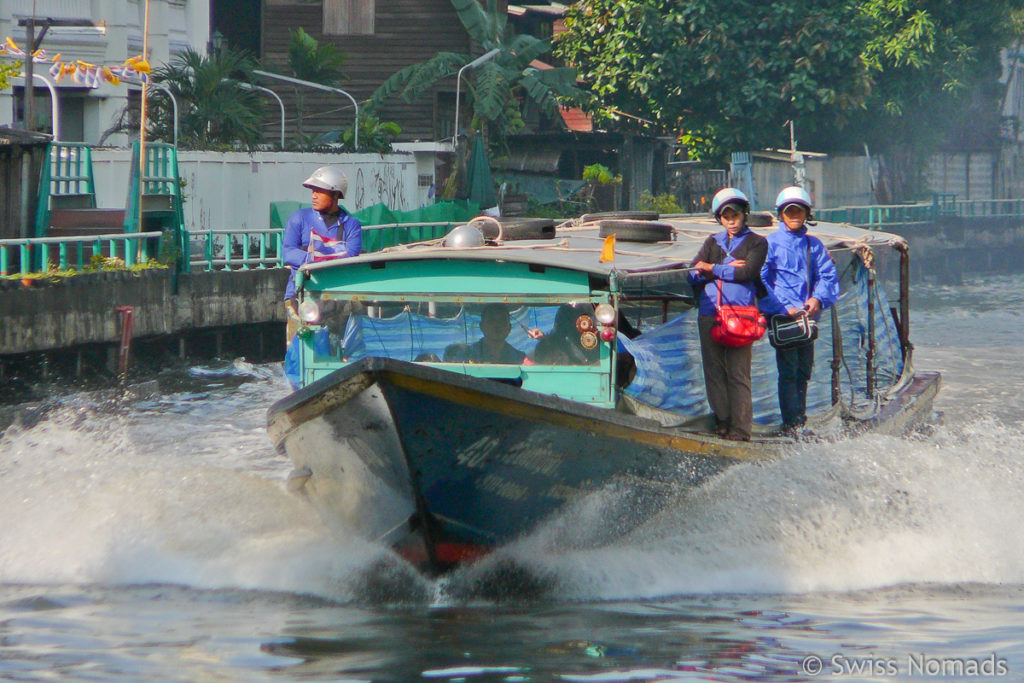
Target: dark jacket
{"type": "Point", "coordinates": [740, 286]}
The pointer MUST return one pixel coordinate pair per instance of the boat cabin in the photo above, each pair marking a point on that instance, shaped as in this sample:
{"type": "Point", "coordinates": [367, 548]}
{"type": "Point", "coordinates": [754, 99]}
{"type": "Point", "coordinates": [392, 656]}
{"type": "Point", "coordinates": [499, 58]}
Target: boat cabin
{"type": "Point", "coordinates": [570, 313]}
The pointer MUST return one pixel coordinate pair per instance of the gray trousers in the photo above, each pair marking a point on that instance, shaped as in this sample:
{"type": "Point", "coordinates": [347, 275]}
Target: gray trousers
{"type": "Point", "coordinates": [727, 380]}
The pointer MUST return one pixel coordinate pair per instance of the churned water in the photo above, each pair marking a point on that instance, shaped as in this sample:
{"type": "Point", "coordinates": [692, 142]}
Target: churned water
{"type": "Point", "coordinates": [151, 537]}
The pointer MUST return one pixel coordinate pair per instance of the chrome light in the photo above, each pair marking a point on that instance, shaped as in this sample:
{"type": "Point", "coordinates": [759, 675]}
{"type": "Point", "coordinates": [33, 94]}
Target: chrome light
{"type": "Point", "coordinates": [605, 314]}
{"type": "Point", "coordinates": [464, 236]}
{"type": "Point", "coordinates": [309, 312]}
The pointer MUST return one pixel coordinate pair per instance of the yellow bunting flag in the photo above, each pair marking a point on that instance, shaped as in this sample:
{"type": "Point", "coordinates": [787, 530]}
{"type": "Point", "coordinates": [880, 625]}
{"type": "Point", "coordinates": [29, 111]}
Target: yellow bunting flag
{"type": "Point", "coordinates": [608, 250]}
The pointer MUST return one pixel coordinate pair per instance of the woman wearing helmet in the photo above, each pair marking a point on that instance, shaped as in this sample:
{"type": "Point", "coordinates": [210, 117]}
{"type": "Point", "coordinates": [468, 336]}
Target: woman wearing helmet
{"type": "Point", "coordinates": [324, 231]}
{"type": "Point", "coordinates": [731, 260]}
{"type": "Point", "coordinates": [801, 279]}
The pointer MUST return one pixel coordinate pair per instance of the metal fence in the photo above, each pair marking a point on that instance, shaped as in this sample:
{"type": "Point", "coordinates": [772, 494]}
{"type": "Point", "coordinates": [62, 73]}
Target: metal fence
{"type": "Point", "coordinates": [41, 254]}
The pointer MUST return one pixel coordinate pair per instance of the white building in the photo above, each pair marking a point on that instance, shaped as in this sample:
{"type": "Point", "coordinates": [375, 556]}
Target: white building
{"type": "Point", "coordinates": [84, 113]}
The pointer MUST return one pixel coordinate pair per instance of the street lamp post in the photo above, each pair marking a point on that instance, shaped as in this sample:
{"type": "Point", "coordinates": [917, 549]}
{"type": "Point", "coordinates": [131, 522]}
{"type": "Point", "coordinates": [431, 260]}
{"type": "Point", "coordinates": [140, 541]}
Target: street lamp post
{"type": "Point", "coordinates": [487, 56]}
{"type": "Point", "coordinates": [318, 86]}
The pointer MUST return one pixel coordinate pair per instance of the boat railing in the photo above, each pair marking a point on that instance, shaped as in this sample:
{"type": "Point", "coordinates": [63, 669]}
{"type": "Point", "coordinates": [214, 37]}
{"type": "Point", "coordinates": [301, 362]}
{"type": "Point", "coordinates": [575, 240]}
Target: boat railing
{"type": "Point", "coordinates": [39, 254]}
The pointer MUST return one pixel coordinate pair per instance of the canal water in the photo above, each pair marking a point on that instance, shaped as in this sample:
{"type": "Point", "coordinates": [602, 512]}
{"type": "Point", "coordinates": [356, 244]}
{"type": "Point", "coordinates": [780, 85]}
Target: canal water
{"type": "Point", "coordinates": [151, 538]}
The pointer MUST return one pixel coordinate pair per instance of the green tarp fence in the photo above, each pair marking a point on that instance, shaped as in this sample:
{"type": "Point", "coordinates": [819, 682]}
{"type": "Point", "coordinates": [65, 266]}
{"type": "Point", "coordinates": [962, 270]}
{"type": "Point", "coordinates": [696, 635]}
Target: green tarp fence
{"type": "Point", "coordinates": [411, 224]}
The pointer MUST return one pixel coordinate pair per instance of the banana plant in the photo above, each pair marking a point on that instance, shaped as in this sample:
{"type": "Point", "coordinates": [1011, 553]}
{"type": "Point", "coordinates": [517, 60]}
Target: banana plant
{"type": "Point", "coordinates": [498, 88]}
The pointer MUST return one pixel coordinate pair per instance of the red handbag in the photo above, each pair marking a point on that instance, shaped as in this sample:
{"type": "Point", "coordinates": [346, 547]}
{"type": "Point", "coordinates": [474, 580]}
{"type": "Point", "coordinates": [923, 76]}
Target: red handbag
{"type": "Point", "coordinates": [737, 325]}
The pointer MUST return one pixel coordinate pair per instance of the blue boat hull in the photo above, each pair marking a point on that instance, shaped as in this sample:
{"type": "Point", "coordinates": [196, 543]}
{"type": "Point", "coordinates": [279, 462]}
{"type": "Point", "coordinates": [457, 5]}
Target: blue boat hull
{"type": "Point", "coordinates": [483, 463]}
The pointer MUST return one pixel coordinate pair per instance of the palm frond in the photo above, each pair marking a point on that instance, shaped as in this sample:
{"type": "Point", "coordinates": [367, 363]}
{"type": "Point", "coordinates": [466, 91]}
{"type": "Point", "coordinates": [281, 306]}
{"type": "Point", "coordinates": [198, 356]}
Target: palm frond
{"type": "Point", "coordinates": [491, 91]}
{"type": "Point", "coordinates": [416, 78]}
{"type": "Point", "coordinates": [481, 24]}
{"type": "Point", "coordinates": [546, 87]}
{"type": "Point", "coordinates": [528, 48]}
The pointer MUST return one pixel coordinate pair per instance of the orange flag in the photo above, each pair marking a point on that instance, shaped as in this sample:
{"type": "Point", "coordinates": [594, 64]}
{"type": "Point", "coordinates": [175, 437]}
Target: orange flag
{"type": "Point", "coordinates": [608, 250]}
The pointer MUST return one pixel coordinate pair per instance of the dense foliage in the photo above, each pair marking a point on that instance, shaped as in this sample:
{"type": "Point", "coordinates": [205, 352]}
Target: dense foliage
{"type": "Point", "coordinates": [8, 70]}
{"type": "Point", "coordinates": [728, 76]}
{"type": "Point", "coordinates": [213, 109]}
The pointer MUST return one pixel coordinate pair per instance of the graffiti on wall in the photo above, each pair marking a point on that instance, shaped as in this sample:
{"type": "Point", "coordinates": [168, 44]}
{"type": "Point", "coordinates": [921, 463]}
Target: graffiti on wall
{"type": "Point", "coordinates": [382, 184]}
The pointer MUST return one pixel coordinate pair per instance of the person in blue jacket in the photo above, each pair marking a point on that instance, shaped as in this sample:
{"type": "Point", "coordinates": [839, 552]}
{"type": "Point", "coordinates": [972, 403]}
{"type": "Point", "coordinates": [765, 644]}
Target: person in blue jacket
{"type": "Point", "coordinates": [800, 279]}
{"type": "Point", "coordinates": [730, 260]}
{"type": "Point", "coordinates": [324, 231]}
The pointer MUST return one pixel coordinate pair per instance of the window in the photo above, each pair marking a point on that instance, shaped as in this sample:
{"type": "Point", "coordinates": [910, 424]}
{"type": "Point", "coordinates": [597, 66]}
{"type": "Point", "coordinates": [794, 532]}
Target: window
{"type": "Point", "coordinates": [349, 17]}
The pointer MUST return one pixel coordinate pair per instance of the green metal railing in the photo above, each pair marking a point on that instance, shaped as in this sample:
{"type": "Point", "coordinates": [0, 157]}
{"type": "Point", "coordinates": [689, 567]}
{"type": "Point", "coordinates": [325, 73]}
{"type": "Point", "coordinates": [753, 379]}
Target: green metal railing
{"type": "Point", "coordinates": [243, 249]}
{"type": "Point", "coordinates": [877, 216]}
{"type": "Point", "coordinates": [66, 253]}
{"type": "Point", "coordinates": [237, 249]}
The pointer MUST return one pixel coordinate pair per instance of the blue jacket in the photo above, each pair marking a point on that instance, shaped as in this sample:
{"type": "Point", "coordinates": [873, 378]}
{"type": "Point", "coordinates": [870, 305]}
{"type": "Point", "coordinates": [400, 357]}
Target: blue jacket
{"type": "Point", "coordinates": [785, 272]}
{"type": "Point", "coordinates": [739, 285]}
{"type": "Point", "coordinates": [295, 242]}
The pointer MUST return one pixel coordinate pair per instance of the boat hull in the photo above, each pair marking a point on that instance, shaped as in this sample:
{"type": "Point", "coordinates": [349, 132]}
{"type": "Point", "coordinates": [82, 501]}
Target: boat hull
{"type": "Point", "coordinates": [446, 467]}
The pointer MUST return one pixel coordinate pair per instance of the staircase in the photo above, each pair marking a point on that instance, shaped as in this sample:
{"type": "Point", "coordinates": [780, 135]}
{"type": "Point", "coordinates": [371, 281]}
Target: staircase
{"type": "Point", "coordinates": [67, 200]}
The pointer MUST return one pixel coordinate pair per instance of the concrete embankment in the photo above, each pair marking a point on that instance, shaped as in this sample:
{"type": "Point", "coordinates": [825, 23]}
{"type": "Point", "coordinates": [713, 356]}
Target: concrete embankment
{"type": "Point", "coordinates": [230, 312]}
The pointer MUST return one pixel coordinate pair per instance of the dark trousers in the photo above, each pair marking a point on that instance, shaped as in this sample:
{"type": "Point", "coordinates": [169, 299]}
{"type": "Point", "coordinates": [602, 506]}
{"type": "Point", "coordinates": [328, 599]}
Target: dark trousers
{"type": "Point", "coordinates": [794, 373]}
{"type": "Point", "coordinates": [727, 379]}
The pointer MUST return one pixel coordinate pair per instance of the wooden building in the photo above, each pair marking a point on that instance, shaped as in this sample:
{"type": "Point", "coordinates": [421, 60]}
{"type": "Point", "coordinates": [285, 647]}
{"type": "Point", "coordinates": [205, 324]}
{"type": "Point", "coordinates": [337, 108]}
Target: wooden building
{"type": "Point", "coordinates": [380, 38]}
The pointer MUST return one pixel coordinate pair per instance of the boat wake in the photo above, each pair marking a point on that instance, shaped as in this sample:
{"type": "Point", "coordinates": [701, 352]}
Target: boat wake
{"type": "Point", "coordinates": [90, 497]}
{"type": "Point", "coordinates": [862, 513]}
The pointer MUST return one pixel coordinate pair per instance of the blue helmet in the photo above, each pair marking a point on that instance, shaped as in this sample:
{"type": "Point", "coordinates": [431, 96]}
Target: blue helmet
{"type": "Point", "coordinates": [793, 195]}
{"type": "Point", "coordinates": [729, 195]}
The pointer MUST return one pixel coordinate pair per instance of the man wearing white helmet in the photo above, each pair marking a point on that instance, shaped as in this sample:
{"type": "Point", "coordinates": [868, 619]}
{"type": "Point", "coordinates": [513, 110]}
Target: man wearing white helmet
{"type": "Point", "coordinates": [727, 271]}
{"type": "Point", "coordinates": [801, 279]}
{"type": "Point", "coordinates": [324, 231]}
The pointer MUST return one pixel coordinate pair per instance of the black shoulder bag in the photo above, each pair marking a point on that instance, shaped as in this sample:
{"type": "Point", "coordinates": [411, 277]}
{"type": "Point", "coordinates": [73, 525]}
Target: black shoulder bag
{"type": "Point", "coordinates": [790, 331]}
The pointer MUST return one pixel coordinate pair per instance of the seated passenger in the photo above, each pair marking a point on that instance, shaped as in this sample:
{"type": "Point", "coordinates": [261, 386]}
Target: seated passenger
{"type": "Point", "coordinates": [492, 348]}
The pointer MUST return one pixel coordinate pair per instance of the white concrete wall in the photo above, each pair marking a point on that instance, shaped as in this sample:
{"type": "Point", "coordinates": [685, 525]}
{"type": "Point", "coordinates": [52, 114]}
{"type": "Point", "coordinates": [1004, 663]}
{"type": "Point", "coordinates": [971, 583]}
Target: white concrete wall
{"type": "Point", "coordinates": [234, 189]}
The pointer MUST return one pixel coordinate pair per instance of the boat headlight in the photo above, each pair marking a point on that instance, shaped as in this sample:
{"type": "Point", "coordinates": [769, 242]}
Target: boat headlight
{"type": "Point", "coordinates": [605, 314]}
{"type": "Point", "coordinates": [309, 312]}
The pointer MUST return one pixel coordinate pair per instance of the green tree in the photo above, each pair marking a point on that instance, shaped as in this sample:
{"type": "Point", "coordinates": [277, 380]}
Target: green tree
{"type": "Point", "coordinates": [903, 76]}
{"type": "Point", "coordinates": [309, 60]}
{"type": "Point", "coordinates": [934, 67]}
{"type": "Point", "coordinates": [214, 108]}
{"type": "Point", "coordinates": [721, 80]}
{"type": "Point", "coordinates": [497, 88]}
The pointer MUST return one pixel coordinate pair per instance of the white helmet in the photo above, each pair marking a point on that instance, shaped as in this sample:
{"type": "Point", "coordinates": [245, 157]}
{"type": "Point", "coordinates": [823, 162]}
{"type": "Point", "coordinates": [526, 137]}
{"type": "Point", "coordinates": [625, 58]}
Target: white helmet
{"type": "Point", "coordinates": [793, 195]}
{"type": "Point", "coordinates": [729, 195]}
{"type": "Point", "coordinates": [328, 178]}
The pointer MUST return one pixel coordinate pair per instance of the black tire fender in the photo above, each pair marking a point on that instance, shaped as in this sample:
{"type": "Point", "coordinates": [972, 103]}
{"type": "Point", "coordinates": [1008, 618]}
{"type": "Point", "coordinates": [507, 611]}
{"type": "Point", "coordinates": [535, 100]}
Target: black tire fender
{"type": "Point", "coordinates": [626, 215]}
{"type": "Point", "coordinates": [636, 231]}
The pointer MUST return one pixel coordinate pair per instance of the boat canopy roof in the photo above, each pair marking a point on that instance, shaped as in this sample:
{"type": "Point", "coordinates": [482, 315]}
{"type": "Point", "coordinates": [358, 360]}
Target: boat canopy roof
{"type": "Point", "coordinates": [578, 247]}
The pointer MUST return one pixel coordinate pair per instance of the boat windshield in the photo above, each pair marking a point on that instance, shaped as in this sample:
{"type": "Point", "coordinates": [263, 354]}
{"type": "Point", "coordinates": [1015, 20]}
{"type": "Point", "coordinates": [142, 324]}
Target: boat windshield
{"type": "Point", "coordinates": [439, 332]}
